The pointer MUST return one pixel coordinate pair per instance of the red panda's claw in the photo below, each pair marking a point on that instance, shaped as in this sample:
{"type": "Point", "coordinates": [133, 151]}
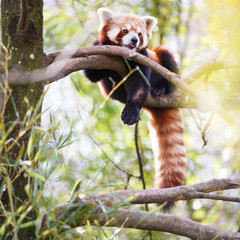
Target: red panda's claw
{"type": "Point", "coordinates": [158, 91]}
{"type": "Point", "coordinates": [130, 115]}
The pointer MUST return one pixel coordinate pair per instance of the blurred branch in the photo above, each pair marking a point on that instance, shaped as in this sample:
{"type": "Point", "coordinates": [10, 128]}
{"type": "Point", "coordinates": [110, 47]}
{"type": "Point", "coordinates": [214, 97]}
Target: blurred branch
{"type": "Point", "coordinates": [94, 211]}
{"type": "Point", "coordinates": [208, 67]}
{"type": "Point", "coordinates": [81, 22]}
{"type": "Point", "coordinates": [184, 22]}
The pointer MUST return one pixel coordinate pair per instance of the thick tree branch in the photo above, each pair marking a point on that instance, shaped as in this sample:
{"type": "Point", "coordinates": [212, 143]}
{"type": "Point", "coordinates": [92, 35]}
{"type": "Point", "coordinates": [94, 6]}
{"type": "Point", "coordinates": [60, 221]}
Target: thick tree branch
{"type": "Point", "coordinates": [145, 221]}
{"type": "Point", "coordinates": [93, 209]}
{"type": "Point", "coordinates": [60, 69]}
{"type": "Point", "coordinates": [130, 55]}
{"type": "Point", "coordinates": [185, 192]}
{"type": "Point", "coordinates": [166, 223]}
{"type": "Point", "coordinates": [178, 81]}
{"type": "Point", "coordinates": [62, 63]}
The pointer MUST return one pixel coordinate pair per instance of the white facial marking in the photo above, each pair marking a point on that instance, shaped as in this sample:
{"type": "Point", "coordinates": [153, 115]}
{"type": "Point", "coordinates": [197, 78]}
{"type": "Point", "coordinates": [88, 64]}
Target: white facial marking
{"type": "Point", "coordinates": [126, 40]}
{"type": "Point", "coordinates": [139, 30]}
{"type": "Point", "coordinates": [145, 41]}
{"type": "Point", "coordinates": [105, 15]}
{"type": "Point", "coordinates": [128, 26]}
{"type": "Point", "coordinates": [112, 34]}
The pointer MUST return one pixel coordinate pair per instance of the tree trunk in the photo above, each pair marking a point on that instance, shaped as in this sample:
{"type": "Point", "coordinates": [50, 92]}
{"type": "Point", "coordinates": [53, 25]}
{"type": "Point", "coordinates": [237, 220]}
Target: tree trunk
{"type": "Point", "coordinates": [22, 23]}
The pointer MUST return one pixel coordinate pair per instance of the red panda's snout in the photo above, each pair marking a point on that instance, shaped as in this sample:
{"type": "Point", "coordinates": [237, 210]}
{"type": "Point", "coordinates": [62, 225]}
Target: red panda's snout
{"type": "Point", "coordinates": [131, 41]}
{"type": "Point", "coordinates": [125, 35]}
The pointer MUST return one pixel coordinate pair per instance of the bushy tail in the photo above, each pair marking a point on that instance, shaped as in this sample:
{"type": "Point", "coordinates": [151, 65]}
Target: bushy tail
{"type": "Point", "coordinates": [167, 136]}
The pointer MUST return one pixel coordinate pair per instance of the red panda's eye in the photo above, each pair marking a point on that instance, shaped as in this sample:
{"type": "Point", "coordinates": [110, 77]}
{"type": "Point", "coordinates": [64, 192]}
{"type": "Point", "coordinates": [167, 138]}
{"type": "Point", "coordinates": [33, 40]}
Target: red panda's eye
{"type": "Point", "coordinates": [139, 34]}
{"type": "Point", "coordinates": [125, 31]}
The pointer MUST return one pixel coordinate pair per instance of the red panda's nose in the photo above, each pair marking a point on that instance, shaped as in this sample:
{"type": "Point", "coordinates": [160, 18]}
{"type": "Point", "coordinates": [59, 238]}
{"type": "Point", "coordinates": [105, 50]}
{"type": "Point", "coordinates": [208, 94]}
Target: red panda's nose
{"type": "Point", "coordinates": [134, 40]}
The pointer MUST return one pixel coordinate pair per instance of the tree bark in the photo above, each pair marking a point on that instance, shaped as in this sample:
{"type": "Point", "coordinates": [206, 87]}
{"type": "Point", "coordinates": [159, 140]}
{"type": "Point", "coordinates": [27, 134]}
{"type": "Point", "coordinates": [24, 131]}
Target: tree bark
{"type": "Point", "coordinates": [22, 24]}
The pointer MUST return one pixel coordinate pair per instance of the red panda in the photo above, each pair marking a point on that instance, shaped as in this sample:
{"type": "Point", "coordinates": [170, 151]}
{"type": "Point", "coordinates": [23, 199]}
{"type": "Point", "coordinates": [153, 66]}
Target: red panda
{"type": "Point", "coordinates": [166, 129]}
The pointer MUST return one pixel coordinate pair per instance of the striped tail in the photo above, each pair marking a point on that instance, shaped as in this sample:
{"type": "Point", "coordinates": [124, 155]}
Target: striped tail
{"type": "Point", "coordinates": [167, 136]}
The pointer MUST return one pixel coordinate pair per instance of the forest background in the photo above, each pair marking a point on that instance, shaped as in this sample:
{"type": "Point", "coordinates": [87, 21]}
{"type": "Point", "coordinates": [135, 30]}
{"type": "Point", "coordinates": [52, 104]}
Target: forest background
{"type": "Point", "coordinates": [85, 141]}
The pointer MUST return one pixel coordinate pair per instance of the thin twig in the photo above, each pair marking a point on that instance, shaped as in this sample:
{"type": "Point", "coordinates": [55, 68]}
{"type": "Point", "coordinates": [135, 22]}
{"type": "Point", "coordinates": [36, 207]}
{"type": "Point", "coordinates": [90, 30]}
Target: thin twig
{"type": "Point", "coordinates": [202, 129]}
{"type": "Point", "coordinates": [80, 21]}
{"type": "Point", "coordinates": [205, 128]}
{"type": "Point", "coordinates": [139, 157]}
{"type": "Point", "coordinates": [217, 197]}
{"type": "Point", "coordinates": [140, 164]}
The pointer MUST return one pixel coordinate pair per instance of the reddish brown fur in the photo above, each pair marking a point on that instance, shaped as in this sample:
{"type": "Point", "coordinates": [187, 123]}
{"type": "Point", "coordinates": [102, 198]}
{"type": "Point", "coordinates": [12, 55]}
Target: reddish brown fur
{"type": "Point", "coordinates": [167, 136]}
{"type": "Point", "coordinates": [159, 51]}
{"type": "Point", "coordinates": [167, 133]}
{"type": "Point", "coordinates": [121, 21]}
{"type": "Point", "coordinates": [156, 53]}
{"type": "Point", "coordinates": [102, 37]}
{"type": "Point", "coordinates": [153, 56]}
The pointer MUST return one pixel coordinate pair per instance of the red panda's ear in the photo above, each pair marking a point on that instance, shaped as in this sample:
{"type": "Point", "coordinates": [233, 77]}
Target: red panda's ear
{"type": "Point", "coordinates": [105, 16]}
{"type": "Point", "coordinates": [150, 23]}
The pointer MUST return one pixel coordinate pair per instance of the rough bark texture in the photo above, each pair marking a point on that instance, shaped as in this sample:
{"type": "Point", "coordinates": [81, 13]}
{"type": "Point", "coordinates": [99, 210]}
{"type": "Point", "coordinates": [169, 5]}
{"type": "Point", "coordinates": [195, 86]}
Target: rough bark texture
{"type": "Point", "coordinates": [21, 24]}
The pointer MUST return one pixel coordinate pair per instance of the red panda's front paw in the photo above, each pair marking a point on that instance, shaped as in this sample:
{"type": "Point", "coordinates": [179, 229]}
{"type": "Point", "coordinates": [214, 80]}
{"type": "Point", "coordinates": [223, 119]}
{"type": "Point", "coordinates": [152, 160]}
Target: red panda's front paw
{"type": "Point", "coordinates": [130, 114]}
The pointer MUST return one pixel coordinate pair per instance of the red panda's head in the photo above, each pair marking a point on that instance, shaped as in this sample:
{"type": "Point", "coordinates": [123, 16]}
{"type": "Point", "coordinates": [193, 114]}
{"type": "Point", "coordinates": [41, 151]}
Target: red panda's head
{"type": "Point", "coordinates": [125, 30]}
